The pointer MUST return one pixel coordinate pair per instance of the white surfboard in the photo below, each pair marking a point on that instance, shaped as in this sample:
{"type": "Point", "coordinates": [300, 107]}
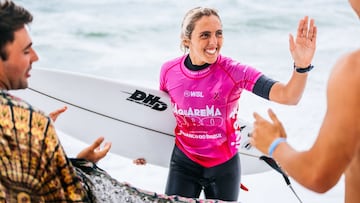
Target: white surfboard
{"type": "Point", "coordinates": [137, 120]}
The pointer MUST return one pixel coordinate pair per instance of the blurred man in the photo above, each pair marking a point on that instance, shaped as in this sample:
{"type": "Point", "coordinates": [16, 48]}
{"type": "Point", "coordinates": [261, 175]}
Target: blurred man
{"type": "Point", "coordinates": [337, 148]}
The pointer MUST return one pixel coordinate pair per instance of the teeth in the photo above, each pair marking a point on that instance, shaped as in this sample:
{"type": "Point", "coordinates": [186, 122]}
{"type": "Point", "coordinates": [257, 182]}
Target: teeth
{"type": "Point", "coordinates": [211, 51]}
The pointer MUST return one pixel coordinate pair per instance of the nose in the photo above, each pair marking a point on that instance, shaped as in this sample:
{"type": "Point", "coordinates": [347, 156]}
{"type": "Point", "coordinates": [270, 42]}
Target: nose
{"type": "Point", "coordinates": [34, 55]}
{"type": "Point", "coordinates": [213, 40]}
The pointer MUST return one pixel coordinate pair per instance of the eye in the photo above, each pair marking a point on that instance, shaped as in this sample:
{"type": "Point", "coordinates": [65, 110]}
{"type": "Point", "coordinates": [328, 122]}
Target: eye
{"type": "Point", "coordinates": [27, 50]}
{"type": "Point", "coordinates": [219, 33]}
{"type": "Point", "coordinates": [205, 35]}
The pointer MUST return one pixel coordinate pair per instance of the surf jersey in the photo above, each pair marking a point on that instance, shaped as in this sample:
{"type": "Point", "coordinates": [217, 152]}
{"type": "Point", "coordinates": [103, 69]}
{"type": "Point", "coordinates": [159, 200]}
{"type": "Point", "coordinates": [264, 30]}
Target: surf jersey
{"type": "Point", "coordinates": [205, 105]}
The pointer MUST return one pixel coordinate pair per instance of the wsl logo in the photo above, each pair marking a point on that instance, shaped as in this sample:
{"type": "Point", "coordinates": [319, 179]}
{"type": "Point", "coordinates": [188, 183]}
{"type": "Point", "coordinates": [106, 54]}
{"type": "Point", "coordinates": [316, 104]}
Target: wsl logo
{"type": "Point", "coordinates": [148, 100]}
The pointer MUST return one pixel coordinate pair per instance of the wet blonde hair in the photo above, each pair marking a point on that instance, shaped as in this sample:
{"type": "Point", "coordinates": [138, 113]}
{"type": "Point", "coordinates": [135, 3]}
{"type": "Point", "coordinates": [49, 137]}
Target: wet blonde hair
{"type": "Point", "coordinates": [188, 23]}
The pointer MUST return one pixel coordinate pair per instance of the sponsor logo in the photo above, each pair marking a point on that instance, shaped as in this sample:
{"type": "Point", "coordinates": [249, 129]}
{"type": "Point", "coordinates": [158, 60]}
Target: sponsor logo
{"type": "Point", "coordinates": [149, 100]}
{"type": "Point", "coordinates": [188, 93]}
{"type": "Point", "coordinates": [208, 116]}
{"type": "Point", "coordinates": [216, 96]}
{"type": "Point", "coordinates": [238, 127]}
{"type": "Point", "coordinates": [207, 111]}
{"type": "Point", "coordinates": [201, 136]}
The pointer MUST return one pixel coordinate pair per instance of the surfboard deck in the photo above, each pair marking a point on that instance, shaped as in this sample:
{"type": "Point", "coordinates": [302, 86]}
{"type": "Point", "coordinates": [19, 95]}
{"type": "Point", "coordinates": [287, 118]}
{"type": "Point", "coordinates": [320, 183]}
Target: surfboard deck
{"type": "Point", "coordinates": [137, 120]}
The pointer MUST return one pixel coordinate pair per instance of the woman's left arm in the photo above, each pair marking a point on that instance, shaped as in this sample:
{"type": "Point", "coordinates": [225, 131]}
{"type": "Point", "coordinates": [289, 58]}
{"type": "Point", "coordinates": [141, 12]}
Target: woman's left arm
{"type": "Point", "coordinates": [302, 51]}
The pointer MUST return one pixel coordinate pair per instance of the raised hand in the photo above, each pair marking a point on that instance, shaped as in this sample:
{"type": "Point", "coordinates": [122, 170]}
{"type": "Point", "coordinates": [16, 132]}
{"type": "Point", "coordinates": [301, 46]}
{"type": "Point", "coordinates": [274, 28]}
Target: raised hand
{"type": "Point", "coordinates": [303, 47]}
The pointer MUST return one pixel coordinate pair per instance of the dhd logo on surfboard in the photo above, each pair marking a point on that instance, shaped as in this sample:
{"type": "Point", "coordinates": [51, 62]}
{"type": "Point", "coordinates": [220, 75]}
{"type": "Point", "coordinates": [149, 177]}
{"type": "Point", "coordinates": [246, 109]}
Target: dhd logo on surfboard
{"type": "Point", "coordinates": [149, 100]}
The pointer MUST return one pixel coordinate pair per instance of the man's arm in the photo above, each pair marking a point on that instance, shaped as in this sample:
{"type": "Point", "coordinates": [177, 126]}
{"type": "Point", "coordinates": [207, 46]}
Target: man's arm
{"type": "Point", "coordinates": [338, 137]}
{"type": "Point", "coordinates": [320, 167]}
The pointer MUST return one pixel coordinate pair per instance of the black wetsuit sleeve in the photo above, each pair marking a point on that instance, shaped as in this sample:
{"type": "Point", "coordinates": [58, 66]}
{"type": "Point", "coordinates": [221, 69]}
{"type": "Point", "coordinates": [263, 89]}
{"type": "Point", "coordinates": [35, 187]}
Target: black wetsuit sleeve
{"type": "Point", "coordinates": [263, 86]}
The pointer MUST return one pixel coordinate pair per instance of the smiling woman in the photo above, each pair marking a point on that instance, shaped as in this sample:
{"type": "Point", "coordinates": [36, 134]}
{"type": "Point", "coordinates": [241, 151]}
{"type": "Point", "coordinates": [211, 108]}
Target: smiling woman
{"type": "Point", "coordinates": [213, 162]}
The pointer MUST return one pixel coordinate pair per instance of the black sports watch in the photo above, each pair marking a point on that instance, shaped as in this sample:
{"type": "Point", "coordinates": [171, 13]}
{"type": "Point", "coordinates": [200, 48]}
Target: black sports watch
{"type": "Point", "coordinates": [303, 70]}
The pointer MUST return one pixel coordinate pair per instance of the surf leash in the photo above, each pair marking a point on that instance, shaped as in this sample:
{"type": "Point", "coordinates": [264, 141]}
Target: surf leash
{"type": "Point", "coordinates": [272, 163]}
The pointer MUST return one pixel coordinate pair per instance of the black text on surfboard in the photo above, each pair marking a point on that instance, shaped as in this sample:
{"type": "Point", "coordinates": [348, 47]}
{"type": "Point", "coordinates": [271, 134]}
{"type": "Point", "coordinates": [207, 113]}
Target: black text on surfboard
{"type": "Point", "coordinates": [148, 100]}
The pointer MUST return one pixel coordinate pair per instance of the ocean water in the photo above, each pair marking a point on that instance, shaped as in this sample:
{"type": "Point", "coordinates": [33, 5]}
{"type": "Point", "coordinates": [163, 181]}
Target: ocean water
{"type": "Point", "coordinates": [129, 40]}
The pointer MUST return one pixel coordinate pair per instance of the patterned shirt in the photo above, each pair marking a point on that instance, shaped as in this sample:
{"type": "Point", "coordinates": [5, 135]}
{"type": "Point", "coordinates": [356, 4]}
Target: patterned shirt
{"type": "Point", "coordinates": [34, 166]}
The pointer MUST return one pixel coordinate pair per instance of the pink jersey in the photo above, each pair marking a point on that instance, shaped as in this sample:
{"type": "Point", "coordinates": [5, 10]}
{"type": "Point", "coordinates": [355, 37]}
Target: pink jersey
{"type": "Point", "coordinates": [205, 105]}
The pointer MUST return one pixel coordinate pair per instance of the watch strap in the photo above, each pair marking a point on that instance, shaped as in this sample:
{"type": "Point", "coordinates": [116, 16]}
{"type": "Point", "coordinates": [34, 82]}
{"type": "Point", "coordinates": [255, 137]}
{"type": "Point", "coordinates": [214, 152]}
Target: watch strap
{"type": "Point", "coordinates": [303, 70]}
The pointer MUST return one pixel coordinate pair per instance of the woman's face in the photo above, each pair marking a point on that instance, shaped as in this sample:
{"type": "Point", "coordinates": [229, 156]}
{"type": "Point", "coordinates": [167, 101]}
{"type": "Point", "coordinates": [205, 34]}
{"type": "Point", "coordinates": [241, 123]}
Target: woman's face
{"type": "Point", "coordinates": [206, 40]}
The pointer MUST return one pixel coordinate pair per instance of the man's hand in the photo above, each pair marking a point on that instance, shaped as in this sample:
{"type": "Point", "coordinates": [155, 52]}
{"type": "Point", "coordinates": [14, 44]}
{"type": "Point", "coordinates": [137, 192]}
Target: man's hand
{"type": "Point", "coordinates": [140, 161]}
{"type": "Point", "coordinates": [53, 115]}
{"type": "Point", "coordinates": [265, 132]}
{"type": "Point", "coordinates": [93, 152]}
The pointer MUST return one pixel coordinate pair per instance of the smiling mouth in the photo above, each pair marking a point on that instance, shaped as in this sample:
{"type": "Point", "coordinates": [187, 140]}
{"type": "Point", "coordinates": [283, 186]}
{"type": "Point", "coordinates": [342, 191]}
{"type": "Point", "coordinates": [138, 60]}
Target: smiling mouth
{"type": "Point", "coordinates": [211, 51]}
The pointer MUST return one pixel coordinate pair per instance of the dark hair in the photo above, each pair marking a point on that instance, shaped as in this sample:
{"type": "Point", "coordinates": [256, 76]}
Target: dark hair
{"type": "Point", "coordinates": [12, 18]}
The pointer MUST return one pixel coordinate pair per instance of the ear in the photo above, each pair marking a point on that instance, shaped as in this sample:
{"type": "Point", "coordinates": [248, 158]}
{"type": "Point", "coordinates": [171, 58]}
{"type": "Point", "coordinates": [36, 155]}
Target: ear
{"type": "Point", "coordinates": [186, 42]}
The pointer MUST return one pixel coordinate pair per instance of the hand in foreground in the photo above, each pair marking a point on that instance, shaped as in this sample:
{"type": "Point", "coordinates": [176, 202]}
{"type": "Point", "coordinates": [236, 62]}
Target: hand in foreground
{"type": "Point", "coordinates": [53, 115]}
{"type": "Point", "coordinates": [303, 48]}
{"type": "Point", "coordinates": [265, 132]}
{"type": "Point", "coordinates": [140, 161]}
{"type": "Point", "coordinates": [93, 152]}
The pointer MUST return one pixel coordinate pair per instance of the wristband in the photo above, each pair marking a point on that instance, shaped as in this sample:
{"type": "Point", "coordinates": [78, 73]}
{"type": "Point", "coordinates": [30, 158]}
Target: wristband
{"type": "Point", "coordinates": [303, 70]}
{"type": "Point", "coordinates": [274, 144]}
